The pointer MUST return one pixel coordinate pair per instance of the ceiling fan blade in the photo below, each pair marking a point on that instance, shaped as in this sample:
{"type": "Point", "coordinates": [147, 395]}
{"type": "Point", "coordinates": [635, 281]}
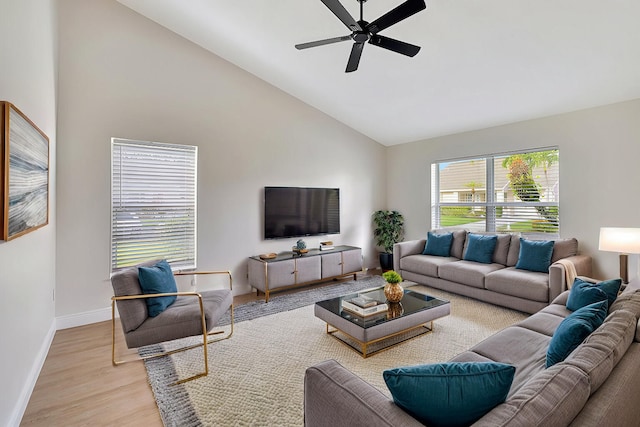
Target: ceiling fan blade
{"type": "Point", "coordinates": [394, 45]}
{"type": "Point", "coordinates": [405, 10]}
{"type": "Point", "coordinates": [354, 58]}
{"type": "Point", "coordinates": [338, 9]}
{"type": "Point", "coordinates": [322, 42]}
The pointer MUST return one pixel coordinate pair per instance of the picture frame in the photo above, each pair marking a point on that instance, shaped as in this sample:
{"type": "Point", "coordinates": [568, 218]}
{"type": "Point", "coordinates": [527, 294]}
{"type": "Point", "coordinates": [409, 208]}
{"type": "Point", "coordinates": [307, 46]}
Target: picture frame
{"type": "Point", "coordinates": [24, 174]}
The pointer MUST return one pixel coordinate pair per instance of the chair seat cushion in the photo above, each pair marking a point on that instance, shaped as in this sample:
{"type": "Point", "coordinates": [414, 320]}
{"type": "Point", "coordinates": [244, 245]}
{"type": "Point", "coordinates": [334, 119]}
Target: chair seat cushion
{"type": "Point", "coordinates": [182, 319]}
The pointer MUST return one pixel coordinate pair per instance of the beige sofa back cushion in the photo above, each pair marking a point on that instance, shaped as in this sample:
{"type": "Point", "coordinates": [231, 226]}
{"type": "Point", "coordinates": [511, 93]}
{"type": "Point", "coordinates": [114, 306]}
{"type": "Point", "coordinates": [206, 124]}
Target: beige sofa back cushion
{"type": "Point", "coordinates": [457, 246]}
{"type": "Point", "coordinates": [552, 398]}
{"type": "Point", "coordinates": [602, 350]}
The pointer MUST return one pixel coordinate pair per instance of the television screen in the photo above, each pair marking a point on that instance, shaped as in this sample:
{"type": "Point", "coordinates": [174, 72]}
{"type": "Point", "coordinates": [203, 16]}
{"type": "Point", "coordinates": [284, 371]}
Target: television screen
{"type": "Point", "coordinates": [296, 211]}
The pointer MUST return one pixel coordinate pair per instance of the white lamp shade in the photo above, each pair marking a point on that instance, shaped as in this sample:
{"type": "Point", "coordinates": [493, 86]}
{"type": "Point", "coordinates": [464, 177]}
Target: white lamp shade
{"type": "Point", "coordinates": [617, 239]}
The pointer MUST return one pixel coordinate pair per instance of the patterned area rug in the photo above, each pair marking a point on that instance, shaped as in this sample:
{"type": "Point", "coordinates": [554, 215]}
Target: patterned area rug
{"type": "Point", "coordinates": [285, 302]}
{"type": "Point", "coordinates": [256, 377]}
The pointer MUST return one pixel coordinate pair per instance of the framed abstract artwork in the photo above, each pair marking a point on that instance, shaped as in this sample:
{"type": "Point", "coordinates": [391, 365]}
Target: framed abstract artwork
{"type": "Point", "coordinates": [24, 174]}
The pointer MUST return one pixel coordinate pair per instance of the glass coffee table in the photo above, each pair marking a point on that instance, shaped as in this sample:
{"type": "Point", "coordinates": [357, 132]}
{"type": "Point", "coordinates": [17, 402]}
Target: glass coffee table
{"type": "Point", "coordinates": [410, 318]}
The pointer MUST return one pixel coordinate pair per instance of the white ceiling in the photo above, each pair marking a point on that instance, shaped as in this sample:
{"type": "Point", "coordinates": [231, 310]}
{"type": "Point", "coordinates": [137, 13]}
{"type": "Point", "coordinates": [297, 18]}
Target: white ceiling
{"type": "Point", "coordinates": [482, 63]}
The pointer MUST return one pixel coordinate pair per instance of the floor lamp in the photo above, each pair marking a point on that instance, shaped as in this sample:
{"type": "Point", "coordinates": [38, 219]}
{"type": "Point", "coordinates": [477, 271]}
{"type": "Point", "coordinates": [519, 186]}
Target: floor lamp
{"type": "Point", "coordinates": [622, 240]}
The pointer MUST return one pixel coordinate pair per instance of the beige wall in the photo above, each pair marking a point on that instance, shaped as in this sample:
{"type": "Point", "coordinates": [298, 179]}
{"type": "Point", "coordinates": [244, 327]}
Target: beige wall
{"type": "Point", "coordinates": [599, 173]}
{"type": "Point", "coordinates": [27, 264]}
{"type": "Point", "coordinates": [122, 75]}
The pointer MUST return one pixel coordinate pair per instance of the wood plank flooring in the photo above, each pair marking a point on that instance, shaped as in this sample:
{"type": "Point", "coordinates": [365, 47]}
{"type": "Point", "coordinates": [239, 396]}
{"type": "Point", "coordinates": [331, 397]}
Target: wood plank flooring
{"type": "Point", "coordinates": [79, 386]}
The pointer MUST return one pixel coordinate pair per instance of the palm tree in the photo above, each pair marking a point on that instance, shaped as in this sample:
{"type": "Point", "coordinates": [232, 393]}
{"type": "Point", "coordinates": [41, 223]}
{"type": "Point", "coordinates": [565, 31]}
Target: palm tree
{"type": "Point", "coordinates": [523, 184]}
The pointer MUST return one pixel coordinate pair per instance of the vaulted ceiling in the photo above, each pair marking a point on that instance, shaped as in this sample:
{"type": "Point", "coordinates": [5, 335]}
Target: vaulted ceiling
{"type": "Point", "coordinates": [481, 63]}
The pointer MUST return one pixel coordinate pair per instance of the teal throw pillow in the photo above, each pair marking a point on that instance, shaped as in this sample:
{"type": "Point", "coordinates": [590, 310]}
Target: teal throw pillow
{"type": "Point", "coordinates": [157, 279]}
{"type": "Point", "coordinates": [438, 244]}
{"type": "Point", "coordinates": [609, 287]}
{"type": "Point", "coordinates": [574, 329]}
{"type": "Point", "coordinates": [535, 255]}
{"type": "Point", "coordinates": [583, 293]}
{"type": "Point", "coordinates": [450, 394]}
{"type": "Point", "coordinates": [480, 248]}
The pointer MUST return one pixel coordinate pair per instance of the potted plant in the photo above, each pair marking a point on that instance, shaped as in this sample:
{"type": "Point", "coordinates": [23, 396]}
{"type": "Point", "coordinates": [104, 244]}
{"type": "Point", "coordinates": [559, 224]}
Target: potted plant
{"type": "Point", "coordinates": [388, 230]}
{"type": "Point", "coordinates": [392, 290]}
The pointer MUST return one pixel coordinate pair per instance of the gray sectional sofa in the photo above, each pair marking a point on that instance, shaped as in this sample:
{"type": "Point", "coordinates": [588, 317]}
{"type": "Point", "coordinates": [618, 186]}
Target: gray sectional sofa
{"type": "Point", "coordinates": [498, 282]}
{"type": "Point", "coordinates": [596, 385]}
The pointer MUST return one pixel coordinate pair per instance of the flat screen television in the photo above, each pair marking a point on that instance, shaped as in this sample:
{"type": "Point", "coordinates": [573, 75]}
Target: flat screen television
{"type": "Point", "coordinates": [297, 211]}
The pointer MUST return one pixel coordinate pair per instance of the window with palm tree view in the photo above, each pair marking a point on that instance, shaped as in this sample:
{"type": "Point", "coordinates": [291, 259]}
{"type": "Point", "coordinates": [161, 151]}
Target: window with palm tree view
{"type": "Point", "coordinates": [515, 192]}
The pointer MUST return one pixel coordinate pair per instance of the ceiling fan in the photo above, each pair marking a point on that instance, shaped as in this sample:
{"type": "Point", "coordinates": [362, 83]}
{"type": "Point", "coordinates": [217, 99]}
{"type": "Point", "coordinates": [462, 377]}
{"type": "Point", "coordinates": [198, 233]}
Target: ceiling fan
{"type": "Point", "coordinates": [363, 31]}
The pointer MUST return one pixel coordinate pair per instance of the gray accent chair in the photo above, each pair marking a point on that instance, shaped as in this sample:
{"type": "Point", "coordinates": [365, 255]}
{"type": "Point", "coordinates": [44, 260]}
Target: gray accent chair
{"type": "Point", "coordinates": [192, 314]}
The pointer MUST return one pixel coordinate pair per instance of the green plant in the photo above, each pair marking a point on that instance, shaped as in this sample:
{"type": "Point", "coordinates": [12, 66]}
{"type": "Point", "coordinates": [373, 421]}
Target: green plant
{"type": "Point", "coordinates": [389, 229]}
{"type": "Point", "coordinates": [392, 277]}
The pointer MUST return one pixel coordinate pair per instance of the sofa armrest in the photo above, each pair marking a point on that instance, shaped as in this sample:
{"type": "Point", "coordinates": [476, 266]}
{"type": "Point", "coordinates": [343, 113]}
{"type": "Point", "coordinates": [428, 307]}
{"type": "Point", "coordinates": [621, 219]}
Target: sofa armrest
{"type": "Point", "coordinates": [403, 249]}
{"type": "Point", "coordinates": [335, 396]}
{"type": "Point", "coordinates": [557, 274]}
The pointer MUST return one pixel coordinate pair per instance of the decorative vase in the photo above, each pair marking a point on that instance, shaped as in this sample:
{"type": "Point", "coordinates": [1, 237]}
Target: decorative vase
{"type": "Point", "coordinates": [394, 292]}
{"type": "Point", "coordinates": [395, 310]}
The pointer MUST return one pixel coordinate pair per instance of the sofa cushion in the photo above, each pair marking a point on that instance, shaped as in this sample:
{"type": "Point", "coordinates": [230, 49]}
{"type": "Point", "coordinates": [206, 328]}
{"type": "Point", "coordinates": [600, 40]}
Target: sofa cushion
{"type": "Point", "coordinates": [543, 323]}
{"type": "Point", "coordinates": [629, 301]}
{"type": "Point", "coordinates": [564, 248]}
{"type": "Point", "coordinates": [535, 255]}
{"type": "Point", "coordinates": [351, 399]}
{"type": "Point", "coordinates": [552, 398]}
{"type": "Point", "coordinates": [157, 279]}
{"type": "Point", "coordinates": [468, 273]}
{"type": "Point", "coordinates": [603, 349]}
{"type": "Point", "coordinates": [609, 287]}
{"type": "Point", "coordinates": [449, 394]}
{"type": "Point", "coordinates": [525, 284]}
{"type": "Point", "coordinates": [583, 294]}
{"type": "Point", "coordinates": [457, 246]}
{"type": "Point", "coordinates": [502, 246]}
{"type": "Point", "coordinates": [502, 249]}
{"type": "Point", "coordinates": [574, 329]}
{"type": "Point", "coordinates": [479, 248]}
{"type": "Point", "coordinates": [427, 265]}
{"type": "Point", "coordinates": [438, 244]}
{"type": "Point", "coordinates": [514, 250]}
{"type": "Point", "coordinates": [523, 348]}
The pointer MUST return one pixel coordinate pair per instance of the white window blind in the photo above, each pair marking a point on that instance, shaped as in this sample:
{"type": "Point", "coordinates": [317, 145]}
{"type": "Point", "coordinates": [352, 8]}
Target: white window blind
{"type": "Point", "coordinates": [516, 192]}
{"type": "Point", "coordinates": [153, 203]}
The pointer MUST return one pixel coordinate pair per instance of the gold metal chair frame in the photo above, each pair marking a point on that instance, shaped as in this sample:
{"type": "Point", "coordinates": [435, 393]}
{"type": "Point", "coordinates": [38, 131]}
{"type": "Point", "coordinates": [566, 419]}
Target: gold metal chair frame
{"type": "Point", "coordinates": [205, 334]}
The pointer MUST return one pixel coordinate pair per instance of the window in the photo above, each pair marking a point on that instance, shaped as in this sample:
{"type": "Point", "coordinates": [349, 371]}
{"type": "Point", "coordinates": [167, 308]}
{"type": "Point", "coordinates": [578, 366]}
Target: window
{"type": "Point", "coordinates": [516, 192]}
{"type": "Point", "coordinates": [153, 203]}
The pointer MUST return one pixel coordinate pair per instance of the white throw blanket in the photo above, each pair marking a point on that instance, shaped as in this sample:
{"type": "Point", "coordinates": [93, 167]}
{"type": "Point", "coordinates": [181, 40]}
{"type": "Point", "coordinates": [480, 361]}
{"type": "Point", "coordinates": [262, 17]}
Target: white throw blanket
{"type": "Point", "coordinates": [570, 273]}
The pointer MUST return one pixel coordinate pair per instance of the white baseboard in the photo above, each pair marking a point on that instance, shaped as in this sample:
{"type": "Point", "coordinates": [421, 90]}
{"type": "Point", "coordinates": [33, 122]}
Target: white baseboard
{"type": "Point", "coordinates": [31, 380]}
{"type": "Point", "coordinates": [81, 319]}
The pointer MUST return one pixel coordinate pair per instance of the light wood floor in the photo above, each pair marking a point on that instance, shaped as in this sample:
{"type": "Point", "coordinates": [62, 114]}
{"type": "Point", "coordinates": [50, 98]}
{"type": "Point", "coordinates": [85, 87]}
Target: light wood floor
{"type": "Point", "coordinates": [79, 386]}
